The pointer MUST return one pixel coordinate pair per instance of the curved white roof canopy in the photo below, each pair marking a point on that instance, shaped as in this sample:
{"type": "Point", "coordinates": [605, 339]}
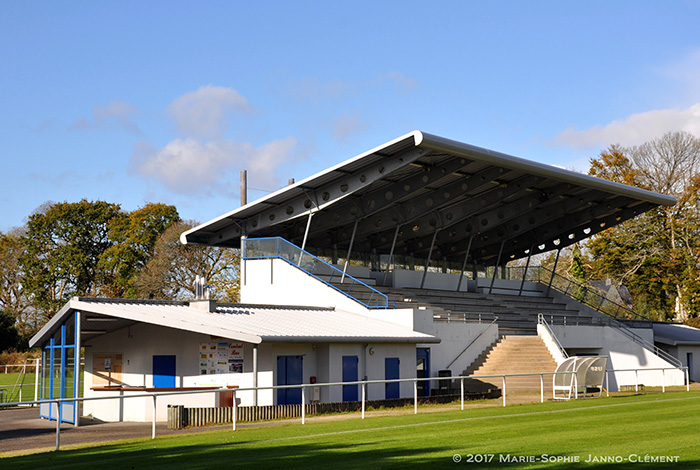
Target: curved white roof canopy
{"type": "Point", "coordinates": [421, 184]}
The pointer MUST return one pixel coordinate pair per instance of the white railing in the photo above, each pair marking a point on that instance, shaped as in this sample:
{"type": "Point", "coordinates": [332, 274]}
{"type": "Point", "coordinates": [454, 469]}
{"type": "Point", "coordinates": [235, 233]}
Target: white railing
{"type": "Point", "coordinates": [18, 366]}
{"type": "Point", "coordinates": [552, 337]}
{"type": "Point", "coordinates": [363, 385]}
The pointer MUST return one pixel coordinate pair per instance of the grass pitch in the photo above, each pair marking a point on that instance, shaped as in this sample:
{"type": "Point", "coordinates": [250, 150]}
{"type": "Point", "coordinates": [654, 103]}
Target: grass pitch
{"type": "Point", "coordinates": [652, 431]}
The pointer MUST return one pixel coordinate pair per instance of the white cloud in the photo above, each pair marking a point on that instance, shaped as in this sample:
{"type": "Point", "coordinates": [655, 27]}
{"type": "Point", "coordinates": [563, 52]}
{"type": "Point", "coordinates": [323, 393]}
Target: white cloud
{"type": "Point", "coordinates": [399, 79]}
{"type": "Point", "coordinates": [115, 114]}
{"type": "Point", "coordinates": [314, 89]}
{"type": "Point", "coordinates": [685, 75]}
{"type": "Point", "coordinates": [204, 113]}
{"type": "Point", "coordinates": [633, 130]}
{"type": "Point", "coordinates": [191, 166]}
{"type": "Point", "coordinates": [347, 125]}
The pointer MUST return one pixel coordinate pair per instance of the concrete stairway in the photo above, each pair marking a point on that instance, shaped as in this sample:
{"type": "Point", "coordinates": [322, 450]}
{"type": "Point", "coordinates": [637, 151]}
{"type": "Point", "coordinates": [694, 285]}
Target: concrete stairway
{"type": "Point", "coordinates": [516, 314]}
{"type": "Point", "coordinates": [514, 354]}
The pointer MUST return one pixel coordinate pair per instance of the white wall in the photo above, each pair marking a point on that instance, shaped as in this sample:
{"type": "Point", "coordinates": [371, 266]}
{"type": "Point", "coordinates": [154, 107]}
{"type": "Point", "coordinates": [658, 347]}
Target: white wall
{"type": "Point", "coordinates": [551, 343]}
{"type": "Point", "coordinates": [275, 282]}
{"type": "Point", "coordinates": [455, 336]}
{"type": "Point", "coordinates": [138, 344]}
{"type": "Point", "coordinates": [623, 353]}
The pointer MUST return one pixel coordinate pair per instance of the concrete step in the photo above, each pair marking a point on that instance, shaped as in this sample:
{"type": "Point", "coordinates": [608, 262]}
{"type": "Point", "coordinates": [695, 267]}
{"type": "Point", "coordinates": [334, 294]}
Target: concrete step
{"type": "Point", "coordinates": [515, 354]}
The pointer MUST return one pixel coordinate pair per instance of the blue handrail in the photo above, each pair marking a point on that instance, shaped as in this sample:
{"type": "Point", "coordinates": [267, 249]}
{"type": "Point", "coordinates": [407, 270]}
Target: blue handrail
{"type": "Point", "coordinates": [279, 248]}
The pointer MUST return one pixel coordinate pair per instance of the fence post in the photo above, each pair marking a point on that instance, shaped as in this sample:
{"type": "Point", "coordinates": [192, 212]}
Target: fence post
{"type": "Point", "coordinates": [153, 427]}
{"type": "Point", "coordinates": [663, 380]}
{"type": "Point", "coordinates": [636, 381]}
{"type": "Point", "coordinates": [461, 390]}
{"type": "Point", "coordinates": [364, 385]}
{"type": "Point", "coordinates": [36, 381]}
{"type": "Point", "coordinates": [58, 426]}
{"type": "Point", "coordinates": [234, 410]}
{"type": "Point", "coordinates": [504, 390]}
{"type": "Point", "coordinates": [415, 396]}
{"type": "Point", "coordinates": [303, 405]}
{"type": "Point", "coordinates": [607, 384]}
{"type": "Point", "coordinates": [687, 380]}
{"type": "Point", "coordinates": [541, 388]}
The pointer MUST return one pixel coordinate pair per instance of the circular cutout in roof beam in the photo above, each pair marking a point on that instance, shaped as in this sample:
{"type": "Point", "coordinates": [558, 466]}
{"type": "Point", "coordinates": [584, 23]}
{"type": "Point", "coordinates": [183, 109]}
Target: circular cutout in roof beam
{"type": "Point", "coordinates": [290, 210]}
{"type": "Point", "coordinates": [343, 187]}
{"type": "Point", "coordinates": [586, 231]}
{"type": "Point", "coordinates": [307, 203]}
{"type": "Point", "coordinates": [557, 242]}
{"type": "Point", "coordinates": [326, 195]}
{"type": "Point", "coordinates": [389, 196]}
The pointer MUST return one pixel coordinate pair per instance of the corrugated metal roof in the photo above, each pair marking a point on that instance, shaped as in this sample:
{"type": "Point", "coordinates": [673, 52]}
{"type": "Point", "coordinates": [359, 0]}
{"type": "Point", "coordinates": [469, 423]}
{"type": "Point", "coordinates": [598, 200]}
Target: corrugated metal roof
{"type": "Point", "coordinates": [675, 334]}
{"type": "Point", "coordinates": [247, 323]}
{"type": "Point", "coordinates": [423, 183]}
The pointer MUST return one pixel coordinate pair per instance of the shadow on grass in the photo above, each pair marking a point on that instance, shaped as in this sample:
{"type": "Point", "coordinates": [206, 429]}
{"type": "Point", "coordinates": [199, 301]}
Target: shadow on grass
{"type": "Point", "coordinates": [291, 454]}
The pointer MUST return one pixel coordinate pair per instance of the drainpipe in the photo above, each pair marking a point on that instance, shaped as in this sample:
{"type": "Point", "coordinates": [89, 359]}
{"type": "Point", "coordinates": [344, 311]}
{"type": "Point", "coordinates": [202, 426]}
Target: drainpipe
{"type": "Point", "coordinates": [244, 187]}
{"type": "Point", "coordinates": [255, 375]}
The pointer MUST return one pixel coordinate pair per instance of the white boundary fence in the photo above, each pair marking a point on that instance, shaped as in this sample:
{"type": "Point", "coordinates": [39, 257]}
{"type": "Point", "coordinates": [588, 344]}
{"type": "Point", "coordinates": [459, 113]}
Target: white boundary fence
{"type": "Point", "coordinates": [19, 366]}
{"type": "Point", "coordinates": [363, 386]}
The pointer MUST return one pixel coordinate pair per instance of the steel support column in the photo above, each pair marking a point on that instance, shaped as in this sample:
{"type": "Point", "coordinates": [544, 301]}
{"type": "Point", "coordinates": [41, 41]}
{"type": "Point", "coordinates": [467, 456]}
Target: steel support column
{"type": "Point", "coordinates": [306, 232]}
{"type": "Point", "coordinates": [554, 270]}
{"type": "Point", "coordinates": [527, 265]}
{"type": "Point", "coordinates": [464, 264]}
{"type": "Point", "coordinates": [391, 253]}
{"type": "Point", "coordinates": [427, 261]}
{"type": "Point", "coordinates": [495, 268]}
{"type": "Point", "coordinates": [347, 258]}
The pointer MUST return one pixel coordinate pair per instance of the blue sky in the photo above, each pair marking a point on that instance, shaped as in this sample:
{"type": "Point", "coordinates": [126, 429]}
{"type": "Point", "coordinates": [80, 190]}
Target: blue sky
{"type": "Point", "coordinates": [155, 101]}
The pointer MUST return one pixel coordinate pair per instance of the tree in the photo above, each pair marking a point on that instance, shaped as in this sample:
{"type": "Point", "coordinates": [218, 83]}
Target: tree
{"type": "Point", "coordinates": [13, 300]}
{"type": "Point", "coordinates": [64, 244]}
{"type": "Point", "coordinates": [134, 236]}
{"type": "Point", "coordinates": [9, 338]}
{"type": "Point", "coordinates": [172, 271]}
{"type": "Point", "coordinates": [88, 249]}
{"type": "Point", "coordinates": [656, 254]}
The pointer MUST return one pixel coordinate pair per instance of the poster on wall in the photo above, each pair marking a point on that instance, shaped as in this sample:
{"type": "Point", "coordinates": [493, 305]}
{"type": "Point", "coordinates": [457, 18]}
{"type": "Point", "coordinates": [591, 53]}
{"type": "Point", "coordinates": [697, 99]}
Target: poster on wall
{"type": "Point", "coordinates": [220, 357]}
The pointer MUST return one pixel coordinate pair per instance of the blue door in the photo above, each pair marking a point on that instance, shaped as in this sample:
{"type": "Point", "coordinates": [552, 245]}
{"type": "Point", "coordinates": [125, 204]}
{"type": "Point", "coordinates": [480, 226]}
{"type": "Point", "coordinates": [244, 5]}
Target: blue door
{"type": "Point", "coordinates": [350, 375]}
{"type": "Point", "coordinates": [164, 371]}
{"type": "Point", "coordinates": [289, 372]}
{"type": "Point", "coordinates": [423, 370]}
{"type": "Point", "coordinates": [391, 371]}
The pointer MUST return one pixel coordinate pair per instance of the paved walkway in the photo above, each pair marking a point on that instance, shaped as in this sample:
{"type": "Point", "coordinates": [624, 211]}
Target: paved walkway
{"type": "Point", "coordinates": [22, 430]}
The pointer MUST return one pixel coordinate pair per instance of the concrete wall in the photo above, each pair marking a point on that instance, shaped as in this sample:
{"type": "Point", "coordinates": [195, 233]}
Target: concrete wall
{"type": "Point", "coordinates": [139, 343]}
{"type": "Point", "coordinates": [433, 280]}
{"type": "Point", "coordinates": [681, 353]}
{"type": "Point", "coordinates": [455, 336]}
{"type": "Point", "coordinates": [275, 282]}
{"type": "Point", "coordinates": [623, 353]}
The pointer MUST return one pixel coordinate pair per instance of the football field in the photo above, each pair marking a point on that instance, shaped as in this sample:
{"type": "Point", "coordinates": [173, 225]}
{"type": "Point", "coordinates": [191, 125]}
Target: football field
{"type": "Point", "coordinates": [643, 432]}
